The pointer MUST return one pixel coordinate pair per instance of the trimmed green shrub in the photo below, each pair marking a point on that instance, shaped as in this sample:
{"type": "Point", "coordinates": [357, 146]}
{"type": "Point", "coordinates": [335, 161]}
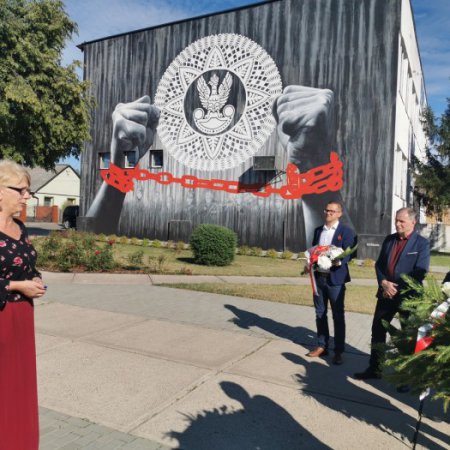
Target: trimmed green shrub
{"type": "Point", "coordinates": [287, 254]}
{"type": "Point", "coordinates": [179, 246]}
{"type": "Point", "coordinates": [272, 253]}
{"type": "Point", "coordinates": [156, 244]}
{"type": "Point", "coordinates": [213, 245]}
{"type": "Point", "coordinates": [244, 250]}
{"type": "Point", "coordinates": [255, 251]}
{"type": "Point", "coordinates": [123, 240]}
{"type": "Point", "coordinates": [134, 241]}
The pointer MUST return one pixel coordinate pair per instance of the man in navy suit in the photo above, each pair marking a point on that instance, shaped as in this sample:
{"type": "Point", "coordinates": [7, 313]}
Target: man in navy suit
{"type": "Point", "coordinates": [331, 283]}
{"type": "Point", "coordinates": [402, 253]}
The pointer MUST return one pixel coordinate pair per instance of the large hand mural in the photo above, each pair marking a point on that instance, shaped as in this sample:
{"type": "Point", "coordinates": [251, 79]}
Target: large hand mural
{"type": "Point", "coordinates": [215, 107]}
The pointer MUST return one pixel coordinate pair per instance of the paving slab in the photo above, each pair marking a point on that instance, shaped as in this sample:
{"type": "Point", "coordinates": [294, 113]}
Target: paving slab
{"type": "Point", "coordinates": [62, 432]}
{"type": "Point", "coordinates": [199, 346]}
{"type": "Point", "coordinates": [111, 387]}
{"type": "Point", "coordinates": [73, 322]}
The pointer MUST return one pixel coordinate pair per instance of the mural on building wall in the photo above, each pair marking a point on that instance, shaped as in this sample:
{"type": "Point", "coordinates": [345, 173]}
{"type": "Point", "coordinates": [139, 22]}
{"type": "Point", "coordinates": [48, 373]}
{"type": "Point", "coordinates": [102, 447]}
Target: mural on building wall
{"type": "Point", "coordinates": [215, 107]}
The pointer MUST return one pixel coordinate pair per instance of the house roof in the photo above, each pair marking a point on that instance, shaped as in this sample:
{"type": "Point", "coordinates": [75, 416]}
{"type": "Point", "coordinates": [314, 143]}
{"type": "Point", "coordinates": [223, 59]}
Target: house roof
{"type": "Point", "coordinates": [40, 177]}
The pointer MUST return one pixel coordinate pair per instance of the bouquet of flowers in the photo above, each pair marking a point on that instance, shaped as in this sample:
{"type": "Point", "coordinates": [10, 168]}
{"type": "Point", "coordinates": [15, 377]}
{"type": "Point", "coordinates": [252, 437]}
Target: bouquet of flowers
{"type": "Point", "coordinates": [323, 257]}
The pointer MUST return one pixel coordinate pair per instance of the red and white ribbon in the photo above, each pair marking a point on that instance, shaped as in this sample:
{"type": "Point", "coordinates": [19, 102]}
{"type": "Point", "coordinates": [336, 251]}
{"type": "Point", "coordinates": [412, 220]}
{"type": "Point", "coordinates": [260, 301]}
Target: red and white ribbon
{"type": "Point", "coordinates": [423, 340]}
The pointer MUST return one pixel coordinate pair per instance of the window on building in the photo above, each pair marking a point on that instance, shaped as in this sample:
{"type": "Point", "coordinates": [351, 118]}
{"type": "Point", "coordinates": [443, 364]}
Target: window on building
{"type": "Point", "coordinates": [130, 158]}
{"type": "Point", "coordinates": [156, 158]}
{"type": "Point", "coordinates": [104, 160]}
{"type": "Point", "coordinates": [48, 201]}
{"type": "Point", "coordinates": [397, 172]}
{"type": "Point", "coordinates": [404, 73]}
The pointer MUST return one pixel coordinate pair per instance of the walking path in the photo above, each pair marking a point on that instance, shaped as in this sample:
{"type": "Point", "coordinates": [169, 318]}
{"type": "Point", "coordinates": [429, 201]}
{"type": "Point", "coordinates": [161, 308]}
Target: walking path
{"type": "Point", "coordinates": [123, 363]}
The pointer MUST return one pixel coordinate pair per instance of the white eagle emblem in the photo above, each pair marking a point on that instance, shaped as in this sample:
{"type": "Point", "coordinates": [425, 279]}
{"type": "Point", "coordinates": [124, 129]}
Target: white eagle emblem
{"type": "Point", "coordinates": [214, 99]}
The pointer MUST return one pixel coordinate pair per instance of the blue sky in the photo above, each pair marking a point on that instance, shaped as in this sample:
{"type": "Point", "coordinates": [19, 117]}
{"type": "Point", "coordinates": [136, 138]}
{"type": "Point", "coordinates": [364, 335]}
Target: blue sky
{"type": "Point", "coordinates": [100, 18]}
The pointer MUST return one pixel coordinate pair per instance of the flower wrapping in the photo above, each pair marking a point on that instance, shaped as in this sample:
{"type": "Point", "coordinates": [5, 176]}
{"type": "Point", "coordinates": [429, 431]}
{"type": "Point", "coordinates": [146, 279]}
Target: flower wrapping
{"type": "Point", "coordinates": [322, 257]}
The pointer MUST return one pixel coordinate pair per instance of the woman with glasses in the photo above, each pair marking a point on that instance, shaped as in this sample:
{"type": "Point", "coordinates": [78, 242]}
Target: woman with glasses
{"type": "Point", "coordinates": [20, 283]}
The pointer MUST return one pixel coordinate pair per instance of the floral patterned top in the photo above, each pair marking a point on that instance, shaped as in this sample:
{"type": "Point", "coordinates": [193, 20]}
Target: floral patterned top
{"type": "Point", "coordinates": [17, 263]}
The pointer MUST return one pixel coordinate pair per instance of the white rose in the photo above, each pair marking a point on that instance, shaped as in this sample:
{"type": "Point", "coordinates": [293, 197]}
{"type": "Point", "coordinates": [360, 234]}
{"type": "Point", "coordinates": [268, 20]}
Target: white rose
{"type": "Point", "coordinates": [335, 252]}
{"type": "Point", "coordinates": [324, 262]}
{"type": "Point", "coordinates": [446, 288]}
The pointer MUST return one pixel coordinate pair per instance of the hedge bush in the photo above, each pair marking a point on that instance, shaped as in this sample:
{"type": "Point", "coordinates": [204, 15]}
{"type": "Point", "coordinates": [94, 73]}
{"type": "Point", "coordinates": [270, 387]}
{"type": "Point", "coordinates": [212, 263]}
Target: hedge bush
{"type": "Point", "coordinates": [213, 245]}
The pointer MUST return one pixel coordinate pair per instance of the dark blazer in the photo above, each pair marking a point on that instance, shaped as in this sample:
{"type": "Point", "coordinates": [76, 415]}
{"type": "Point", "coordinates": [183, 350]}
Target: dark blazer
{"type": "Point", "coordinates": [344, 237]}
{"type": "Point", "coordinates": [414, 260]}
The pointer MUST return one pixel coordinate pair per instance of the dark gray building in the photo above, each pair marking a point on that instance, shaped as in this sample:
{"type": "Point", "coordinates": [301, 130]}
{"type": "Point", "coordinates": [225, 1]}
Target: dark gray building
{"type": "Point", "coordinates": [215, 79]}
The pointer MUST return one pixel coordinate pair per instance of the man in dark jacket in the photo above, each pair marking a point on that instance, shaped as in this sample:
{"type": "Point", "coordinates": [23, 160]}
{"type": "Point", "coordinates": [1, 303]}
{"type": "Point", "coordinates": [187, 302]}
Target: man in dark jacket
{"type": "Point", "coordinates": [402, 253]}
{"type": "Point", "coordinates": [331, 283]}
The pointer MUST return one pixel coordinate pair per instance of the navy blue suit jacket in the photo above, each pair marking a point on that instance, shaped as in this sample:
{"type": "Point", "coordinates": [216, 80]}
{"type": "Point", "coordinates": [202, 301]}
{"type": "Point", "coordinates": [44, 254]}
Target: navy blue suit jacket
{"type": "Point", "coordinates": [344, 237]}
{"type": "Point", "coordinates": [414, 261]}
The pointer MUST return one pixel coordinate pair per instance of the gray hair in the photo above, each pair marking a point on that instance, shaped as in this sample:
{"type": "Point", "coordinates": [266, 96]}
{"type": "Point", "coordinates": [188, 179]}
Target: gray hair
{"type": "Point", "coordinates": [410, 211]}
{"type": "Point", "coordinates": [11, 172]}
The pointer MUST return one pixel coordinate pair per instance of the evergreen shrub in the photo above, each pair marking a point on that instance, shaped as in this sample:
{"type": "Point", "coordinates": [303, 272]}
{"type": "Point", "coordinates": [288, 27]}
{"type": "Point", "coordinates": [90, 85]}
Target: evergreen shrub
{"type": "Point", "coordinates": [213, 245]}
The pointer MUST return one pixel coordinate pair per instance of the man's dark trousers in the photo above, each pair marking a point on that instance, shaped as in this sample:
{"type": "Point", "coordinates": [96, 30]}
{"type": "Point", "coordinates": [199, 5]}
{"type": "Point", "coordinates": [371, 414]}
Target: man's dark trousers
{"type": "Point", "coordinates": [385, 311]}
{"type": "Point", "coordinates": [335, 295]}
{"type": "Point", "coordinates": [331, 288]}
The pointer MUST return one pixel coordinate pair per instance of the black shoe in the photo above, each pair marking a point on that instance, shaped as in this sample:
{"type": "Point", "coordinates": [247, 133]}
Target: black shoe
{"type": "Point", "coordinates": [337, 359]}
{"type": "Point", "coordinates": [368, 374]}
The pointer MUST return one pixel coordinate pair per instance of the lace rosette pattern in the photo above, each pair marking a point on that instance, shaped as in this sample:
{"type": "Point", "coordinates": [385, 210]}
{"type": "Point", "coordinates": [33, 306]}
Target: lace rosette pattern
{"type": "Point", "coordinates": [210, 140]}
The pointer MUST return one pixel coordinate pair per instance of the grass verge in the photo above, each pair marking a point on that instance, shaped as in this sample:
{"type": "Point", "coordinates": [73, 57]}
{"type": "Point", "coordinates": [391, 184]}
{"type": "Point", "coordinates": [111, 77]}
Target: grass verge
{"type": "Point", "coordinates": [359, 299]}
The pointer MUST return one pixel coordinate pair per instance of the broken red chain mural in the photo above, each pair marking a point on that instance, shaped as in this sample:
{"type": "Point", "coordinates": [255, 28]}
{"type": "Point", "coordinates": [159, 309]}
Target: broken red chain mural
{"type": "Point", "coordinates": [328, 177]}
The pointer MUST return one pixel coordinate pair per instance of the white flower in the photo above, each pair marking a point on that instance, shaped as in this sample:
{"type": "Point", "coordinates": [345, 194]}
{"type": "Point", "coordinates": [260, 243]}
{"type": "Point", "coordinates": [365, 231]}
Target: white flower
{"type": "Point", "coordinates": [324, 262]}
{"type": "Point", "coordinates": [335, 252]}
{"type": "Point", "coordinates": [446, 288]}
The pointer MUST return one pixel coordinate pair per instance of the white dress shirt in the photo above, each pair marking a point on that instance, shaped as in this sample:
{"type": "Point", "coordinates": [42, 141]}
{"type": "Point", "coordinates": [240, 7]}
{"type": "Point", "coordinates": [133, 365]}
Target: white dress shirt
{"type": "Point", "coordinates": [326, 237]}
{"type": "Point", "coordinates": [327, 234]}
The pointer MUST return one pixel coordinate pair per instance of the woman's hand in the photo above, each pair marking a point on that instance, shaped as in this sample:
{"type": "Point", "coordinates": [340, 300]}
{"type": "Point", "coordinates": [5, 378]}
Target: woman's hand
{"type": "Point", "coordinates": [29, 288]}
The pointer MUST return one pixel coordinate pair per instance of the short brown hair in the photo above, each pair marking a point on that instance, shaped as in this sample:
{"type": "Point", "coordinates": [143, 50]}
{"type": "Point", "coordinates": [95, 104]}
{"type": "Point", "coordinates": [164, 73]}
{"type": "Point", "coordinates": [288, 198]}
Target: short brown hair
{"type": "Point", "coordinates": [335, 202]}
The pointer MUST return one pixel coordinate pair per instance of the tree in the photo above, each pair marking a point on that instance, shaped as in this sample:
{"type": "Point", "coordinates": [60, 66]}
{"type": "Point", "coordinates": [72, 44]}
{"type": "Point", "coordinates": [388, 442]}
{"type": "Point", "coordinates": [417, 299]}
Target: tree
{"type": "Point", "coordinates": [44, 107]}
{"type": "Point", "coordinates": [432, 180]}
{"type": "Point", "coordinates": [429, 368]}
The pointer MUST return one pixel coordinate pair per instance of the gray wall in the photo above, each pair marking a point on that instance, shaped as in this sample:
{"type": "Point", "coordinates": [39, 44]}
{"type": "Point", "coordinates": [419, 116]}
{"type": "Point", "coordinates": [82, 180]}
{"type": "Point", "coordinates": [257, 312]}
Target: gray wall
{"type": "Point", "coordinates": [348, 46]}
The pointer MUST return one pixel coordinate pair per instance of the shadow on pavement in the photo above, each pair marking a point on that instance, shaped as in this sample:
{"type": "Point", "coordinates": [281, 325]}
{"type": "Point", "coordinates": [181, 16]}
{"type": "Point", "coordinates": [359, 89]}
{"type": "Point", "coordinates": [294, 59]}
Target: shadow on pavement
{"type": "Point", "coordinates": [361, 404]}
{"type": "Point", "coordinates": [334, 388]}
{"type": "Point", "coordinates": [260, 424]}
{"type": "Point", "coordinates": [245, 319]}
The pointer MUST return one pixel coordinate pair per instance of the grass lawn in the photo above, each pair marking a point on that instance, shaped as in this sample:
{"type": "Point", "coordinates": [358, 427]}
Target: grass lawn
{"type": "Point", "coordinates": [440, 259]}
{"type": "Point", "coordinates": [357, 298]}
{"type": "Point", "coordinates": [182, 263]}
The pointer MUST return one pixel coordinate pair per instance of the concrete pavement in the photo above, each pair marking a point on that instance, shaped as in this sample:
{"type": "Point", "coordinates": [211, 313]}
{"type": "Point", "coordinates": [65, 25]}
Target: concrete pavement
{"type": "Point", "coordinates": [126, 364]}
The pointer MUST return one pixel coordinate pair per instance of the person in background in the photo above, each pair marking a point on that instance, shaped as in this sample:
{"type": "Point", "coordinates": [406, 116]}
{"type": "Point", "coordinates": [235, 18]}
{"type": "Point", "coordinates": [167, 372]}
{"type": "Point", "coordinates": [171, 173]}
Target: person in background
{"type": "Point", "coordinates": [331, 283]}
{"type": "Point", "coordinates": [402, 253]}
{"type": "Point", "coordinates": [20, 283]}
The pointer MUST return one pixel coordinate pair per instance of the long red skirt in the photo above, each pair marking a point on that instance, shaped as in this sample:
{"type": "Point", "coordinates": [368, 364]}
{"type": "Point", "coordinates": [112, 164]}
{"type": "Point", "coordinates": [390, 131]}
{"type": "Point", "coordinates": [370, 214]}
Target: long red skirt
{"type": "Point", "coordinates": [19, 423]}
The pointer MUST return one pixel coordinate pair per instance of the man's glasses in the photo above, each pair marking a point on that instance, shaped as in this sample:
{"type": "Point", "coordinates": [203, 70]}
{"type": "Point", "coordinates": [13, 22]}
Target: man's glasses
{"type": "Point", "coordinates": [21, 191]}
{"type": "Point", "coordinates": [330, 211]}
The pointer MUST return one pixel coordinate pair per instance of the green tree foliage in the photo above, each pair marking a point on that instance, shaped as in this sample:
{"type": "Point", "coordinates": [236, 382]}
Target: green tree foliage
{"type": "Point", "coordinates": [213, 245]}
{"type": "Point", "coordinates": [433, 176]}
{"type": "Point", "coordinates": [429, 368]}
{"type": "Point", "coordinates": [44, 108]}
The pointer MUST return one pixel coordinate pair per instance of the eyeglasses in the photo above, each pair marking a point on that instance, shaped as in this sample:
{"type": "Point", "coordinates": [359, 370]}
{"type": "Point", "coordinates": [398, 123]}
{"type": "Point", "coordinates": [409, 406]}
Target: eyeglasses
{"type": "Point", "coordinates": [21, 191]}
{"type": "Point", "coordinates": [330, 211]}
